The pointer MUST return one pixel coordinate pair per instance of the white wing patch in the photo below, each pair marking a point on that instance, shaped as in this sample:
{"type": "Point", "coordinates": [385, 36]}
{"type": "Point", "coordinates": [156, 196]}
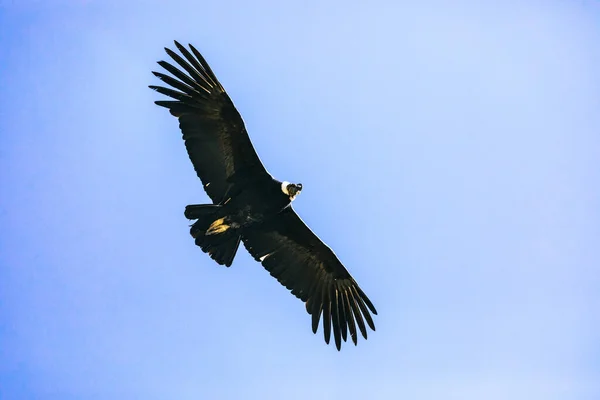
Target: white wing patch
{"type": "Point", "coordinates": [263, 258]}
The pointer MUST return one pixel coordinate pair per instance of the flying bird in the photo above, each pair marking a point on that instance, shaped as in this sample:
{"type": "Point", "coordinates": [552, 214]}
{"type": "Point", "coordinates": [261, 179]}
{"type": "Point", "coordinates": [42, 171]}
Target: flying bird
{"type": "Point", "coordinates": [252, 207]}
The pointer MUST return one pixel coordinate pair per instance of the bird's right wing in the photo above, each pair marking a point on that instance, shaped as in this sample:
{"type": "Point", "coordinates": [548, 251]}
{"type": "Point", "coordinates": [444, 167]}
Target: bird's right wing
{"type": "Point", "coordinates": [215, 136]}
{"type": "Point", "coordinates": [300, 261]}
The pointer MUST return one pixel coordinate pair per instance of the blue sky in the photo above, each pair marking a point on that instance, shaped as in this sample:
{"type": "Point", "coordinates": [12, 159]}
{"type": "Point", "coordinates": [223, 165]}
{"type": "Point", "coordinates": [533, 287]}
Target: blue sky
{"type": "Point", "coordinates": [449, 155]}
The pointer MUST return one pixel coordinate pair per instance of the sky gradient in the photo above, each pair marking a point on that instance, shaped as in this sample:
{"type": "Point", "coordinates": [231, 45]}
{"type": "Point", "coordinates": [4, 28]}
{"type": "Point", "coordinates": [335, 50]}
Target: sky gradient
{"type": "Point", "coordinates": [450, 155]}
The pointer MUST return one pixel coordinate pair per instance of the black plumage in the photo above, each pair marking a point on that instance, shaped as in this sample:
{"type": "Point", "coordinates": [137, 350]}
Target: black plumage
{"type": "Point", "coordinates": [252, 207]}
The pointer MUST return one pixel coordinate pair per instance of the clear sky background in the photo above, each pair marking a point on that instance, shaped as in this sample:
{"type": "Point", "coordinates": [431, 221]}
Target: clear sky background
{"type": "Point", "coordinates": [449, 153]}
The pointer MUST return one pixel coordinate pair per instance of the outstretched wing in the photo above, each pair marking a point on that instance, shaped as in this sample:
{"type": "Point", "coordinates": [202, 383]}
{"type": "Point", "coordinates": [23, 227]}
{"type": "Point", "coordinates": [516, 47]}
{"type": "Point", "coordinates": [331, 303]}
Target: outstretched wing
{"type": "Point", "coordinates": [300, 261]}
{"type": "Point", "coordinates": [215, 136]}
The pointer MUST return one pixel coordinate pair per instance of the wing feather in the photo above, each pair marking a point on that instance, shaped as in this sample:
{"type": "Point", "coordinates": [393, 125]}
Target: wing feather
{"type": "Point", "coordinates": [335, 315]}
{"type": "Point", "coordinates": [342, 314]}
{"type": "Point", "coordinates": [358, 315]}
{"type": "Point", "coordinates": [350, 318]}
{"type": "Point", "coordinates": [326, 313]}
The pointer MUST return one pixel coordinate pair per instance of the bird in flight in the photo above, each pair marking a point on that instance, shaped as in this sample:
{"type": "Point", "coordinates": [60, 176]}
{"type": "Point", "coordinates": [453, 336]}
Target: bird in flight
{"type": "Point", "coordinates": [252, 207]}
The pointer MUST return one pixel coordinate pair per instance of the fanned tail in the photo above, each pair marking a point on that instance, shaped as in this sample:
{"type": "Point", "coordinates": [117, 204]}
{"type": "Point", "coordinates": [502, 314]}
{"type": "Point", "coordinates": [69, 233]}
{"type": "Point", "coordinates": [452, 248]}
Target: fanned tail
{"type": "Point", "coordinates": [213, 233]}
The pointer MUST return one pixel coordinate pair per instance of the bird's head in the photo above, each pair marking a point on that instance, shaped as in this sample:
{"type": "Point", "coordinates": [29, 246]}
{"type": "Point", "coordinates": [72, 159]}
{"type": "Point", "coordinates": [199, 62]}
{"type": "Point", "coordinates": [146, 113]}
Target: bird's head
{"type": "Point", "coordinates": [291, 189]}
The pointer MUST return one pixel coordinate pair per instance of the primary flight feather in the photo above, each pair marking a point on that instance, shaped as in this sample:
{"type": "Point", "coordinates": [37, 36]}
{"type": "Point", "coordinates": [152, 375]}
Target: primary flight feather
{"type": "Point", "coordinates": [252, 207]}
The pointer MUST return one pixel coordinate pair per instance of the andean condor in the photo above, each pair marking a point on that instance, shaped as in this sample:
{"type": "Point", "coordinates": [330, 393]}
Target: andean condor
{"type": "Point", "coordinates": [249, 205]}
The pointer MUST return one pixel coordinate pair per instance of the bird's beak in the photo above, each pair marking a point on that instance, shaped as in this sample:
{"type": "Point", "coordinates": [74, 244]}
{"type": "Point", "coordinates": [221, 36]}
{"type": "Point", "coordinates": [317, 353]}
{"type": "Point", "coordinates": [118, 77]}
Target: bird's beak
{"type": "Point", "coordinates": [293, 189]}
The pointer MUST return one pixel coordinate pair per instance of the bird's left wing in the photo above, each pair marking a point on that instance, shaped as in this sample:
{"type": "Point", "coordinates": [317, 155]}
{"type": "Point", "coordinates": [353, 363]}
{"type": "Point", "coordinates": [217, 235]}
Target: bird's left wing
{"type": "Point", "coordinates": [300, 261]}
